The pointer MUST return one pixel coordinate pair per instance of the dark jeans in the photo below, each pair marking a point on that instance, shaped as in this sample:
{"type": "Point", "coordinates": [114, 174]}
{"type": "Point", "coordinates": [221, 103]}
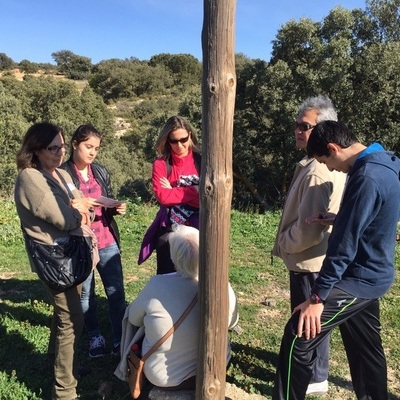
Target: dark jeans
{"type": "Point", "coordinates": [360, 327]}
{"type": "Point", "coordinates": [110, 270]}
{"type": "Point", "coordinates": [300, 290]}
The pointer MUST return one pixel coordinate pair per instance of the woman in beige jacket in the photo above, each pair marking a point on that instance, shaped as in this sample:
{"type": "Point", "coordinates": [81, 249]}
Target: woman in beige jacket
{"type": "Point", "coordinates": [47, 215]}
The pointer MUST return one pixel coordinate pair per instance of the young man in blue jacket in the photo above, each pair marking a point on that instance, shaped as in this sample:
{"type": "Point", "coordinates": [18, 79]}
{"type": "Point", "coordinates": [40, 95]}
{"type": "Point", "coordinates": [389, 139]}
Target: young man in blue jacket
{"type": "Point", "coordinates": [358, 268]}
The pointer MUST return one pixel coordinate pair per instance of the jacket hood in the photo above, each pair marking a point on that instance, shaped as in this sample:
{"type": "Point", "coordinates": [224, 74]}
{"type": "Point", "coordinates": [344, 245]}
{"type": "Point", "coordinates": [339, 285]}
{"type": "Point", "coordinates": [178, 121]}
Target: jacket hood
{"type": "Point", "coordinates": [385, 158]}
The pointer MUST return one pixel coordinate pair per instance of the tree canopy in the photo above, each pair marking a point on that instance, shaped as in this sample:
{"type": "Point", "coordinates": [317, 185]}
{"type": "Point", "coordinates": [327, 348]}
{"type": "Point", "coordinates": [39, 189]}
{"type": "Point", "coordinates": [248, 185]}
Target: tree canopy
{"type": "Point", "coordinates": [72, 65]}
{"type": "Point", "coordinates": [353, 56]}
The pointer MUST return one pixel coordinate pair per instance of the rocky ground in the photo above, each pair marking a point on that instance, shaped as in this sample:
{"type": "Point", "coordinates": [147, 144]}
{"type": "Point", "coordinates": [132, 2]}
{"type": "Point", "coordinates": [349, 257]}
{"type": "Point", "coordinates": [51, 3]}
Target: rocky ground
{"type": "Point", "coordinates": [232, 392]}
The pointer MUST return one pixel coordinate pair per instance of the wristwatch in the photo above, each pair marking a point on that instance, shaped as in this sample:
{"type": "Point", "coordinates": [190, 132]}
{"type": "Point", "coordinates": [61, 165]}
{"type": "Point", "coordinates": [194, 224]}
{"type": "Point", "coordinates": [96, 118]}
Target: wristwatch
{"type": "Point", "coordinates": [315, 299]}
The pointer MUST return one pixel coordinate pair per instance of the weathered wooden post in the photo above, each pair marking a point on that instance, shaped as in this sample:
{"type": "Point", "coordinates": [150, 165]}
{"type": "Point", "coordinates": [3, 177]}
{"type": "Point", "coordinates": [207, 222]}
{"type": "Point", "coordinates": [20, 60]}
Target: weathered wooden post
{"type": "Point", "coordinates": [218, 101]}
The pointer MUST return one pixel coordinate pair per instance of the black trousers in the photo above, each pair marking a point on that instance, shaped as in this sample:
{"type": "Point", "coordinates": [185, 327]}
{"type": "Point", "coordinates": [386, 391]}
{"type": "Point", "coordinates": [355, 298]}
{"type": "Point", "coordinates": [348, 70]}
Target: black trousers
{"type": "Point", "coordinates": [358, 320]}
{"type": "Point", "coordinates": [164, 262]}
{"type": "Point", "coordinates": [300, 290]}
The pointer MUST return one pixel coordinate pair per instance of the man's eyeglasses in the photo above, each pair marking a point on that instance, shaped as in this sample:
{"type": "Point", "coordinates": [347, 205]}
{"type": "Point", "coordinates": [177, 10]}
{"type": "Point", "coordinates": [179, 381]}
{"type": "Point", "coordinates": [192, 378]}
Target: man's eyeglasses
{"type": "Point", "coordinates": [176, 141]}
{"type": "Point", "coordinates": [55, 149]}
{"type": "Point", "coordinates": [303, 126]}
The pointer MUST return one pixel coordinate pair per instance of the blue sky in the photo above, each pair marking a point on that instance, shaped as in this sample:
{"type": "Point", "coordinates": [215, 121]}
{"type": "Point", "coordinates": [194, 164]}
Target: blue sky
{"type": "Point", "coordinates": [104, 29]}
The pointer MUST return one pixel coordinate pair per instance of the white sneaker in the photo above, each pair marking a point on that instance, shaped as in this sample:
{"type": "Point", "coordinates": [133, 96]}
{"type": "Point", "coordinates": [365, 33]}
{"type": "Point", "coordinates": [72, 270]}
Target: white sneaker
{"type": "Point", "coordinates": [318, 388]}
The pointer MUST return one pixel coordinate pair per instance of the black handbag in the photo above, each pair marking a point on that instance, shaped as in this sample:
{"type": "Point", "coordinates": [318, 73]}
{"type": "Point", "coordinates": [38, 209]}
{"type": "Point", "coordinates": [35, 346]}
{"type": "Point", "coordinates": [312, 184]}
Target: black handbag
{"type": "Point", "coordinates": [64, 265]}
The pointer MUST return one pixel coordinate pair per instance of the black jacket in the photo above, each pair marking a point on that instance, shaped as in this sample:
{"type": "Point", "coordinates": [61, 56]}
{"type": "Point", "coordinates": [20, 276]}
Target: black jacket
{"type": "Point", "coordinates": [102, 177]}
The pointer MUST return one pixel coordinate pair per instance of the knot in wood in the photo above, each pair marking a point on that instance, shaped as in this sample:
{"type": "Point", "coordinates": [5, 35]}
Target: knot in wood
{"type": "Point", "coordinates": [212, 390]}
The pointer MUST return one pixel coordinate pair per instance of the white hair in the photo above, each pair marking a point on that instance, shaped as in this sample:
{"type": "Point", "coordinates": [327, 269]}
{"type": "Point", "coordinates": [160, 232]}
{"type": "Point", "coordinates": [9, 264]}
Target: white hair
{"type": "Point", "coordinates": [184, 248]}
{"type": "Point", "coordinates": [322, 105]}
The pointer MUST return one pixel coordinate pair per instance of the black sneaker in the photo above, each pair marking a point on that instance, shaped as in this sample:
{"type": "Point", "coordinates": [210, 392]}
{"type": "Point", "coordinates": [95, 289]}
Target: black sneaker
{"type": "Point", "coordinates": [97, 346]}
{"type": "Point", "coordinates": [116, 350]}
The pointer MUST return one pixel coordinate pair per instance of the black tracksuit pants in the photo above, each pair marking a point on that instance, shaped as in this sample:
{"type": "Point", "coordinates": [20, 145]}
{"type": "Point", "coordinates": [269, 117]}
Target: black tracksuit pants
{"type": "Point", "coordinates": [300, 289]}
{"type": "Point", "coordinates": [358, 320]}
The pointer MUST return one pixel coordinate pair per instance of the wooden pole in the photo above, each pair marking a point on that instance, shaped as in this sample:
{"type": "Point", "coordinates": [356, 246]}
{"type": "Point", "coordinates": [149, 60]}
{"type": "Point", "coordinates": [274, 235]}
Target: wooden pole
{"type": "Point", "coordinates": [218, 102]}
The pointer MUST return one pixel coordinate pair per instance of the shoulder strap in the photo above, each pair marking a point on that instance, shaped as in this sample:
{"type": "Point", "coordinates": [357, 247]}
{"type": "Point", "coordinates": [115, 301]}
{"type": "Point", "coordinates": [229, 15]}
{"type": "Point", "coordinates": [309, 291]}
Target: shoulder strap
{"type": "Point", "coordinates": [197, 161]}
{"type": "Point", "coordinates": [172, 330]}
{"type": "Point", "coordinates": [71, 196]}
{"type": "Point", "coordinates": [69, 166]}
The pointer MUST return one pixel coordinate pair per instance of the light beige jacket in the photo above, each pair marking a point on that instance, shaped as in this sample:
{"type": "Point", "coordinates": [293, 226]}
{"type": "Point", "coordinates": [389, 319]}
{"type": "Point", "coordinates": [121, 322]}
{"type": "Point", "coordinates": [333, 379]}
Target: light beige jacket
{"type": "Point", "coordinates": [43, 207]}
{"type": "Point", "coordinates": [313, 189]}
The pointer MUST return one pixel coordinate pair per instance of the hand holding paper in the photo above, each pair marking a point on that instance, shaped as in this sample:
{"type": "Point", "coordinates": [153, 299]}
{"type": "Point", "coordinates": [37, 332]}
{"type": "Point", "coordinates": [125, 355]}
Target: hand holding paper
{"type": "Point", "coordinates": [109, 203]}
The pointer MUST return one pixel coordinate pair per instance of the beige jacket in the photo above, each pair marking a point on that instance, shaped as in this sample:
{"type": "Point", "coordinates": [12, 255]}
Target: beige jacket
{"type": "Point", "coordinates": [313, 189]}
{"type": "Point", "coordinates": [43, 206]}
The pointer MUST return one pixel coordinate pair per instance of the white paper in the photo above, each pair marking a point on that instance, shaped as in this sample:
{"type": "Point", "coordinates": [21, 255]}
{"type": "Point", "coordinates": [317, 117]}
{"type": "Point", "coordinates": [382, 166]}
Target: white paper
{"type": "Point", "coordinates": [108, 203]}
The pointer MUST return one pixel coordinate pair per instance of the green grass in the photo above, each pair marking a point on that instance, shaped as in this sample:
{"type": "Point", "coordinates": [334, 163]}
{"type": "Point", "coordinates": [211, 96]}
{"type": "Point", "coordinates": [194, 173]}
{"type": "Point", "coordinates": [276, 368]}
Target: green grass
{"type": "Point", "coordinates": [261, 286]}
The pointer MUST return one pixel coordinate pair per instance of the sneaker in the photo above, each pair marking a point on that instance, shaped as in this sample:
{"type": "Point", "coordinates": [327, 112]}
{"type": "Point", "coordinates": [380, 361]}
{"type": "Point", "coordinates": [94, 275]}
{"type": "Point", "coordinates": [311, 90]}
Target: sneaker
{"type": "Point", "coordinates": [97, 346]}
{"type": "Point", "coordinates": [318, 388]}
{"type": "Point", "coordinates": [116, 350]}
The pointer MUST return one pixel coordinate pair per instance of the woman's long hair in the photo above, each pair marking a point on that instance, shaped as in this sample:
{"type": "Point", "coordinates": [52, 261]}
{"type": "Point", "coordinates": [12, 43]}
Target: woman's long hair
{"type": "Point", "coordinates": [163, 148]}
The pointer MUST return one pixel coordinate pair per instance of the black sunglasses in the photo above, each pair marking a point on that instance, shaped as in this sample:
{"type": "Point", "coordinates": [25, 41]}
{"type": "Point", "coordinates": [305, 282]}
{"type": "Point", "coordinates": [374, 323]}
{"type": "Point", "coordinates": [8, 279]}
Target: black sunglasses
{"type": "Point", "coordinates": [303, 126]}
{"type": "Point", "coordinates": [176, 141]}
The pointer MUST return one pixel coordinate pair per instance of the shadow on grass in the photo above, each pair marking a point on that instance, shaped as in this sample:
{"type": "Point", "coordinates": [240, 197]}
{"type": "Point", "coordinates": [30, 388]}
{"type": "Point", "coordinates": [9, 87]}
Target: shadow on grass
{"type": "Point", "coordinates": [260, 365]}
{"type": "Point", "coordinates": [252, 368]}
{"type": "Point", "coordinates": [18, 356]}
{"type": "Point", "coordinates": [21, 291]}
{"type": "Point", "coordinates": [22, 359]}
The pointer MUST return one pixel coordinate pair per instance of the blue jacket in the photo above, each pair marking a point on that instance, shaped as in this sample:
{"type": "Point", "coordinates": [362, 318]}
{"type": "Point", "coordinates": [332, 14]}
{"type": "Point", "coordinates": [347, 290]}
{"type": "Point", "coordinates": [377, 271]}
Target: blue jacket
{"type": "Point", "coordinates": [360, 255]}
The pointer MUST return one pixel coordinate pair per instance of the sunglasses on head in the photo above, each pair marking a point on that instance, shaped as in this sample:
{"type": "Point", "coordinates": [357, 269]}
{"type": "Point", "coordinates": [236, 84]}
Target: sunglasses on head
{"type": "Point", "coordinates": [176, 141]}
{"type": "Point", "coordinates": [303, 126]}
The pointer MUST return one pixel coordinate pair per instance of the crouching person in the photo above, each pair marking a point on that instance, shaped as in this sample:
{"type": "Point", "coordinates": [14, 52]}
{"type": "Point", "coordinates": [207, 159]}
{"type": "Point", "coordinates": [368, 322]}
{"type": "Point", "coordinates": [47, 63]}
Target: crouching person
{"type": "Point", "coordinates": [158, 306]}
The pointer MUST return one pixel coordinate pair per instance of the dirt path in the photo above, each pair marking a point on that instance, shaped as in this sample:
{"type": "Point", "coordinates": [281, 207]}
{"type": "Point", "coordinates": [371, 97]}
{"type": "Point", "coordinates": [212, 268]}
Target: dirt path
{"type": "Point", "coordinates": [232, 392]}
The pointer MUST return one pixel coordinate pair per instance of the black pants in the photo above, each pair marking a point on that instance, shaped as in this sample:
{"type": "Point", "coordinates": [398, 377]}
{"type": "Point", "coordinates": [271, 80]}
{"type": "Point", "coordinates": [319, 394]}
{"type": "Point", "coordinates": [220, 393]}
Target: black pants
{"type": "Point", "coordinates": [360, 327]}
{"type": "Point", "coordinates": [300, 289]}
{"type": "Point", "coordinates": [164, 262]}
